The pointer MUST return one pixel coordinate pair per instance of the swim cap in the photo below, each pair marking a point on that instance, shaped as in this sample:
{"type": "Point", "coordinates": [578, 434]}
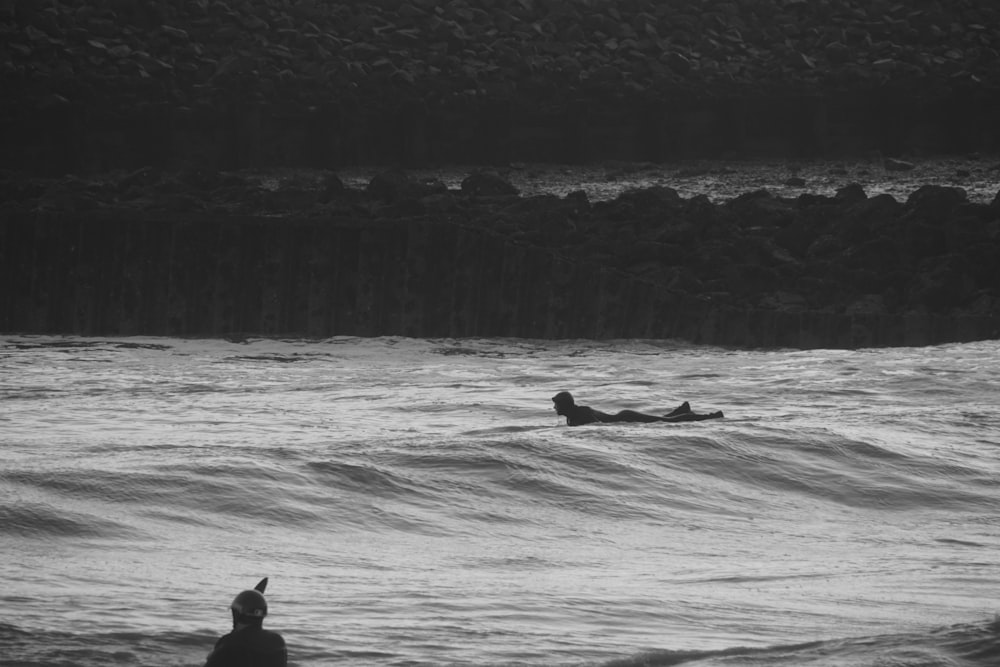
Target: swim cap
{"type": "Point", "coordinates": [249, 604]}
{"type": "Point", "coordinates": [563, 398]}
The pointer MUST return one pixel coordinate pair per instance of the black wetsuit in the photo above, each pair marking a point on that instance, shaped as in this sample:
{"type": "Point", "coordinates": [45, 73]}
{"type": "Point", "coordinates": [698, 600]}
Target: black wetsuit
{"type": "Point", "coordinates": [578, 415]}
{"type": "Point", "coordinates": [249, 647]}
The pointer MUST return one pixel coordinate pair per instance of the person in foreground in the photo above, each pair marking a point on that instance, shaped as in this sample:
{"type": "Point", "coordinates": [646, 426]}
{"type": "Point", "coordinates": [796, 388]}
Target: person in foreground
{"type": "Point", "coordinates": [249, 644]}
{"type": "Point", "coordinates": [577, 415]}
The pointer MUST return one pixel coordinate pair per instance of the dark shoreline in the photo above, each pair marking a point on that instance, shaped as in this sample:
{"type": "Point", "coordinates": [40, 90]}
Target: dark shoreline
{"type": "Point", "coordinates": [200, 253]}
{"type": "Point", "coordinates": [174, 168]}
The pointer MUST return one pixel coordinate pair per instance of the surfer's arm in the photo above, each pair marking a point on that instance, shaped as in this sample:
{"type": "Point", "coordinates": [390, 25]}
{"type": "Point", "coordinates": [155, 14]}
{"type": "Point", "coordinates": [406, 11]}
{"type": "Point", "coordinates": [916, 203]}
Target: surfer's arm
{"type": "Point", "coordinates": [281, 653]}
{"type": "Point", "coordinates": [217, 658]}
{"type": "Point", "coordinates": [581, 414]}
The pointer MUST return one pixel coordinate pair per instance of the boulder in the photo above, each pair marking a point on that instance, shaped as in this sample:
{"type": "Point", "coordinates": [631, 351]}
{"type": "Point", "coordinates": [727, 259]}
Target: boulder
{"type": "Point", "coordinates": [331, 187]}
{"type": "Point", "coordinates": [871, 218]}
{"type": "Point", "coordinates": [396, 186]}
{"type": "Point", "coordinates": [762, 209]}
{"type": "Point", "coordinates": [851, 194]}
{"type": "Point", "coordinates": [487, 184]}
{"type": "Point", "coordinates": [933, 203]}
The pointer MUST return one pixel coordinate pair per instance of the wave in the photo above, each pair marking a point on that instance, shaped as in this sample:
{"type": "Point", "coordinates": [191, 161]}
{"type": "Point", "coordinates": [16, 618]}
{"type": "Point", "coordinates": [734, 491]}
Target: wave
{"type": "Point", "coordinates": [964, 645]}
{"type": "Point", "coordinates": [77, 501]}
{"type": "Point", "coordinates": [27, 342]}
{"type": "Point", "coordinates": [30, 519]}
{"type": "Point", "coordinates": [26, 648]}
{"type": "Point", "coordinates": [596, 469]}
{"type": "Point", "coordinates": [621, 471]}
{"type": "Point", "coordinates": [822, 464]}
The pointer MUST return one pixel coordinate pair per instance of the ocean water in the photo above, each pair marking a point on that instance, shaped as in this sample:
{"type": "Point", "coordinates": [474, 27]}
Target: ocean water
{"type": "Point", "coordinates": [418, 502]}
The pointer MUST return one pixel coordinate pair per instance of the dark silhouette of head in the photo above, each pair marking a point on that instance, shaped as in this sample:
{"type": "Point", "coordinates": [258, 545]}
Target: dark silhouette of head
{"type": "Point", "coordinates": [250, 607]}
{"type": "Point", "coordinates": [563, 402]}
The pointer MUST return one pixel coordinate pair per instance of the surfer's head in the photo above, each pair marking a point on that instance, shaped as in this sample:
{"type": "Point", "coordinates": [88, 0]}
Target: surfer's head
{"type": "Point", "coordinates": [249, 608]}
{"type": "Point", "coordinates": [563, 401]}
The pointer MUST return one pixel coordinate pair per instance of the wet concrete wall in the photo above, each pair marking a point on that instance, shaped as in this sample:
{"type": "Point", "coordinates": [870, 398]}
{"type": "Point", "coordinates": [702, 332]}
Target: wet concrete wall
{"type": "Point", "coordinates": [109, 275]}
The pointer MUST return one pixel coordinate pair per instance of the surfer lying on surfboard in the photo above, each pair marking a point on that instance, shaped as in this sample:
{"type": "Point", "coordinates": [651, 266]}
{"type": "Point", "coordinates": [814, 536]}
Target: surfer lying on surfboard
{"type": "Point", "coordinates": [577, 415]}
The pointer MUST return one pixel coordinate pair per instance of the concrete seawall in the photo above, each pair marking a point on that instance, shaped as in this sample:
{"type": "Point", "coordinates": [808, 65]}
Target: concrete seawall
{"type": "Point", "coordinates": [99, 274]}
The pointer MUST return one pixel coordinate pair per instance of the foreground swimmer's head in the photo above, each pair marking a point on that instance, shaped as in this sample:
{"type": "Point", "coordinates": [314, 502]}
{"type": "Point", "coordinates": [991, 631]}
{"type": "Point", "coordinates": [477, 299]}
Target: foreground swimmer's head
{"type": "Point", "coordinates": [563, 401]}
{"type": "Point", "coordinates": [249, 607]}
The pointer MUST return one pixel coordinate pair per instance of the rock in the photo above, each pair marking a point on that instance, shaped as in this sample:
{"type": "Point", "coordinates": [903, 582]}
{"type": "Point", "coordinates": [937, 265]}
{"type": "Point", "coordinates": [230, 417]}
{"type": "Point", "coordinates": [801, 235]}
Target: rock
{"type": "Point", "coordinates": [677, 62]}
{"type": "Point", "coordinates": [875, 255]}
{"type": "Point", "coordinates": [685, 281]}
{"type": "Point", "coordinates": [935, 201]}
{"type": "Point", "coordinates": [837, 52]}
{"type": "Point", "coordinates": [540, 55]}
{"type": "Point", "coordinates": [487, 184]}
{"type": "Point", "coordinates": [969, 227]}
{"type": "Point", "coordinates": [808, 200]}
{"type": "Point", "coordinates": [947, 287]}
{"type": "Point", "coordinates": [396, 186]}
{"type": "Point", "coordinates": [200, 179]}
{"type": "Point", "coordinates": [869, 304]}
{"type": "Point", "coordinates": [851, 194]}
{"type": "Point", "coordinates": [983, 305]}
{"type": "Point", "coordinates": [761, 209]}
{"type": "Point", "coordinates": [795, 182]}
{"type": "Point", "coordinates": [176, 33]}
{"type": "Point", "coordinates": [892, 164]}
{"type": "Point", "coordinates": [288, 198]}
{"type": "Point", "coordinates": [650, 200]}
{"type": "Point", "coordinates": [870, 218]}
{"type": "Point", "coordinates": [140, 178]}
{"type": "Point", "coordinates": [784, 301]}
{"type": "Point", "coordinates": [179, 203]}
{"type": "Point", "coordinates": [579, 199]}
{"type": "Point", "coordinates": [331, 188]}
{"type": "Point", "coordinates": [923, 240]}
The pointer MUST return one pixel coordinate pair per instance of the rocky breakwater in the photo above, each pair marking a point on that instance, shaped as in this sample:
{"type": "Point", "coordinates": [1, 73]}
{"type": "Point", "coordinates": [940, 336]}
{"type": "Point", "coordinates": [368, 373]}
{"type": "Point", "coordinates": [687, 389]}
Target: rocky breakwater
{"type": "Point", "coordinates": [236, 83]}
{"type": "Point", "coordinates": [300, 253]}
{"type": "Point", "coordinates": [874, 269]}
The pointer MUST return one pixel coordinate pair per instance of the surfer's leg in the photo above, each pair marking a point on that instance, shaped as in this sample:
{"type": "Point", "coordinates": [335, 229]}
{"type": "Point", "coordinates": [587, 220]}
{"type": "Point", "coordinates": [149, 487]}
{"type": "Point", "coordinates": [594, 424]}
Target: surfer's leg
{"type": "Point", "coordinates": [692, 417]}
{"type": "Point", "coordinates": [633, 416]}
{"type": "Point", "coordinates": [683, 408]}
